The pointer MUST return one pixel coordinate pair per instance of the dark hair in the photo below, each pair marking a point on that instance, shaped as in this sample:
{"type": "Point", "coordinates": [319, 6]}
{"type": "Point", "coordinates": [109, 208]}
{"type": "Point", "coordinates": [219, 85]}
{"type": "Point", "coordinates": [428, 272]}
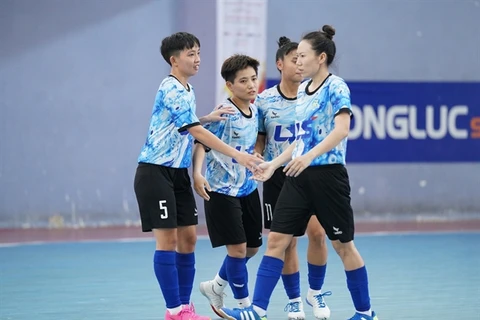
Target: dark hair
{"type": "Point", "coordinates": [177, 42]}
{"type": "Point", "coordinates": [236, 63]}
{"type": "Point", "coordinates": [322, 41]}
{"type": "Point", "coordinates": [285, 46]}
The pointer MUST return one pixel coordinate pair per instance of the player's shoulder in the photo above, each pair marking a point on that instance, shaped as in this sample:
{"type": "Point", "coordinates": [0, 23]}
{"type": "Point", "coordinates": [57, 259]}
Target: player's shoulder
{"type": "Point", "coordinates": [267, 97]}
{"type": "Point", "coordinates": [338, 85]}
{"type": "Point", "coordinates": [171, 84]}
{"type": "Point", "coordinates": [270, 92]}
{"type": "Point", "coordinates": [227, 103]}
{"type": "Point", "coordinates": [335, 80]}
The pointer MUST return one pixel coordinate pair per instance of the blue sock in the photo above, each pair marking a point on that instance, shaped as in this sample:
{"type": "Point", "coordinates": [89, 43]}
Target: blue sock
{"type": "Point", "coordinates": [223, 269]}
{"type": "Point", "coordinates": [268, 274]}
{"type": "Point", "coordinates": [291, 282]}
{"type": "Point", "coordinates": [357, 283]}
{"type": "Point", "coordinates": [186, 275]}
{"type": "Point", "coordinates": [316, 276]}
{"type": "Point", "coordinates": [167, 276]}
{"type": "Point", "coordinates": [237, 276]}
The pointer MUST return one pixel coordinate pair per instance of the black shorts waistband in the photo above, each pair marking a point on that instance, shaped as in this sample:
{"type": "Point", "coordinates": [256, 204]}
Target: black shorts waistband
{"type": "Point", "coordinates": [326, 167]}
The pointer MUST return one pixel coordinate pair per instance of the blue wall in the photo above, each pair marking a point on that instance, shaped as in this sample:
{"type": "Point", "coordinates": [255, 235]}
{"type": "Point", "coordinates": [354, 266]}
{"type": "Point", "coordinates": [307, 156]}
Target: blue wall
{"type": "Point", "coordinates": [78, 78]}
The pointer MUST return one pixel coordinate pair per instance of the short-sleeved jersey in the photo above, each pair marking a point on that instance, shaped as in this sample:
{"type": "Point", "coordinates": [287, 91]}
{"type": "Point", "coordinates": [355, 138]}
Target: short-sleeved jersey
{"type": "Point", "coordinates": [276, 119]}
{"type": "Point", "coordinates": [168, 142]}
{"type": "Point", "coordinates": [223, 173]}
{"type": "Point", "coordinates": [316, 112]}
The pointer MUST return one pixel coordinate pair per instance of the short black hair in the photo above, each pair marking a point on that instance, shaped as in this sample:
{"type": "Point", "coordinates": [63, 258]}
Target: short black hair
{"type": "Point", "coordinates": [322, 41]}
{"type": "Point", "coordinates": [236, 63]}
{"type": "Point", "coordinates": [177, 42]}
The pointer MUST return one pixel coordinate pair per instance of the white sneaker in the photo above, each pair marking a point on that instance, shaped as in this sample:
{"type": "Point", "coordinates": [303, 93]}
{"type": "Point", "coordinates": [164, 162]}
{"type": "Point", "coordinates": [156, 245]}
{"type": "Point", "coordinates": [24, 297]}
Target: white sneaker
{"type": "Point", "coordinates": [215, 299]}
{"type": "Point", "coordinates": [320, 308]}
{"type": "Point", "coordinates": [295, 310]}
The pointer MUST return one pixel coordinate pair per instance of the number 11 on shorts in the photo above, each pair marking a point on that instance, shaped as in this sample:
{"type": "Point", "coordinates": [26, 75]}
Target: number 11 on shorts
{"type": "Point", "coordinates": [268, 211]}
{"type": "Point", "coordinates": [163, 207]}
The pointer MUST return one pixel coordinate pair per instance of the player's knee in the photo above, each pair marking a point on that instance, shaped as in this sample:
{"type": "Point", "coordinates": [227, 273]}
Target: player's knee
{"type": "Point", "coordinates": [278, 242]}
{"type": "Point", "coordinates": [237, 250]}
{"type": "Point", "coordinates": [186, 239]}
{"type": "Point", "coordinates": [344, 249]}
{"type": "Point", "coordinates": [316, 233]}
{"type": "Point", "coordinates": [166, 239]}
{"type": "Point", "coordinates": [317, 238]}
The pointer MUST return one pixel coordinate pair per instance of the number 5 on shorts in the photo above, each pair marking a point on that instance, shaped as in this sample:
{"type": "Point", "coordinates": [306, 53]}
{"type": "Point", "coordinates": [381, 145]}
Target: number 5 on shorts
{"type": "Point", "coordinates": [164, 214]}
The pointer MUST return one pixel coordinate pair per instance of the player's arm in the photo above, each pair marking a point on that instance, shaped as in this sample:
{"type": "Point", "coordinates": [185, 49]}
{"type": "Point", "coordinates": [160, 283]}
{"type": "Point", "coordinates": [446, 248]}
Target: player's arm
{"type": "Point", "coordinates": [218, 114]}
{"type": "Point", "coordinates": [268, 168]}
{"type": "Point", "coordinates": [200, 184]}
{"type": "Point", "coordinates": [339, 132]}
{"type": "Point", "coordinates": [213, 142]}
{"type": "Point", "coordinates": [260, 145]}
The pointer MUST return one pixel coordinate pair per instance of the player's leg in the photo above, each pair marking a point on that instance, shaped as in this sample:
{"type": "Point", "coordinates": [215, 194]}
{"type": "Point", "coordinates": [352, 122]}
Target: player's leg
{"type": "Point", "coordinates": [317, 266]}
{"type": "Point", "coordinates": [156, 200]}
{"type": "Point", "coordinates": [187, 219]}
{"type": "Point", "coordinates": [289, 217]}
{"type": "Point", "coordinates": [252, 224]}
{"type": "Point", "coordinates": [291, 282]}
{"type": "Point", "coordinates": [225, 228]}
{"type": "Point", "coordinates": [338, 222]}
{"type": "Point", "coordinates": [290, 272]}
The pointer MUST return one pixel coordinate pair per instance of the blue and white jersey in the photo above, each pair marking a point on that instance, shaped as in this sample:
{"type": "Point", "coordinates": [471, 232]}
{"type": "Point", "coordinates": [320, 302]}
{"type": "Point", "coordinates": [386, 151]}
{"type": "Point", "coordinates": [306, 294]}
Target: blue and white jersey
{"type": "Point", "coordinates": [316, 113]}
{"type": "Point", "coordinates": [223, 173]}
{"type": "Point", "coordinates": [168, 142]}
{"type": "Point", "coordinates": [276, 119]}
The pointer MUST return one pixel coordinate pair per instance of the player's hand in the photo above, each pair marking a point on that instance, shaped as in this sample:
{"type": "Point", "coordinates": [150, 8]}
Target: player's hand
{"type": "Point", "coordinates": [297, 165]}
{"type": "Point", "coordinates": [266, 172]}
{"type": "Point", "coordinates": [249, 161]}
{"type": "Point", "coordinates": [258, 155]}
{"type": "Point", "coordinates": [201, 186]}
{"type": "Point", "coordinates": [218, 114]}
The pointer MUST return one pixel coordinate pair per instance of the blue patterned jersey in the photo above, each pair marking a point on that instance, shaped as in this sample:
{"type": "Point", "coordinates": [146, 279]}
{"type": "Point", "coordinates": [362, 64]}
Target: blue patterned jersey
{"type": "Point", "coordinates": [276, 119]}
{"type": "Point", "coordinates": [168, 142]}
{"type": "Point", "coordinates": [316, 113]}
{"type": "Point", "coordinates": [223, 173]}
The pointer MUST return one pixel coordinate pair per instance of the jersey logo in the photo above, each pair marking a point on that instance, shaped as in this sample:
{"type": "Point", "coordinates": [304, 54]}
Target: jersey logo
{"type": "Point", "coordinates": [274, 115]}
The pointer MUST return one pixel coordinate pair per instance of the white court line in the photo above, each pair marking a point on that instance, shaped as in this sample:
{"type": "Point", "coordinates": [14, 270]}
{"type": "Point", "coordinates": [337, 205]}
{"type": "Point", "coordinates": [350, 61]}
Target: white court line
{"type": "Point", "coordinates": [204, 237]}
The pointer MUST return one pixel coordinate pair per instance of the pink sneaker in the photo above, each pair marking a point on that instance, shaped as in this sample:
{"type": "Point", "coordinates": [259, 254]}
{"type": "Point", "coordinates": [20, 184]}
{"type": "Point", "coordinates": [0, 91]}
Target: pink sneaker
{"type": "Point", "coordinates": [187, 313]}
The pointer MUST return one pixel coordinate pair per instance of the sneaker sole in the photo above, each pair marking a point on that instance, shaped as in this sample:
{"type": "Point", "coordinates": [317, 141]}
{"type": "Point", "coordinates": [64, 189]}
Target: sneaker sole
{"type": "Point", "coordinates": [223, 315]}
{"type": "Point", "coordinates": [211, 306]}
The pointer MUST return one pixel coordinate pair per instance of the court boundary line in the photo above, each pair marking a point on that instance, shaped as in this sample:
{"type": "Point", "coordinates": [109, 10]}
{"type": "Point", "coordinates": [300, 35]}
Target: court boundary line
{"type": "Point", "coordinates": [206, 238]}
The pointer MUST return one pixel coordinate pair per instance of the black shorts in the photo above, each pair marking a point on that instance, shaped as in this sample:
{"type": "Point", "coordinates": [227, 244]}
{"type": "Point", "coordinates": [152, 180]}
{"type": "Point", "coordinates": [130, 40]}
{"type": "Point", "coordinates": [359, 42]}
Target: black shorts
{"type": "Point", "coordinates": [324, 190]}
{"type": "Point", "coordinates": [234, 220]}
{"type": "Point", "coordinates": [271, 191]}
{"type": "Point", "coordinates": [165, 197]}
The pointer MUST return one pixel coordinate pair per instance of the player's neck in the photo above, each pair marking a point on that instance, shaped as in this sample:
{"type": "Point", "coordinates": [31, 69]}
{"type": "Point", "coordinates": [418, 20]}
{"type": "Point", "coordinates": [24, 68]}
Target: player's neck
{"type": "Point", "coordinates": [319, 78]}
{"type": "Point", "coordinates": [180, 77]}
{"type": "Point", "coordinates": [244, 106]}
{"type": "Point", "coordinates": [289, 88]}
